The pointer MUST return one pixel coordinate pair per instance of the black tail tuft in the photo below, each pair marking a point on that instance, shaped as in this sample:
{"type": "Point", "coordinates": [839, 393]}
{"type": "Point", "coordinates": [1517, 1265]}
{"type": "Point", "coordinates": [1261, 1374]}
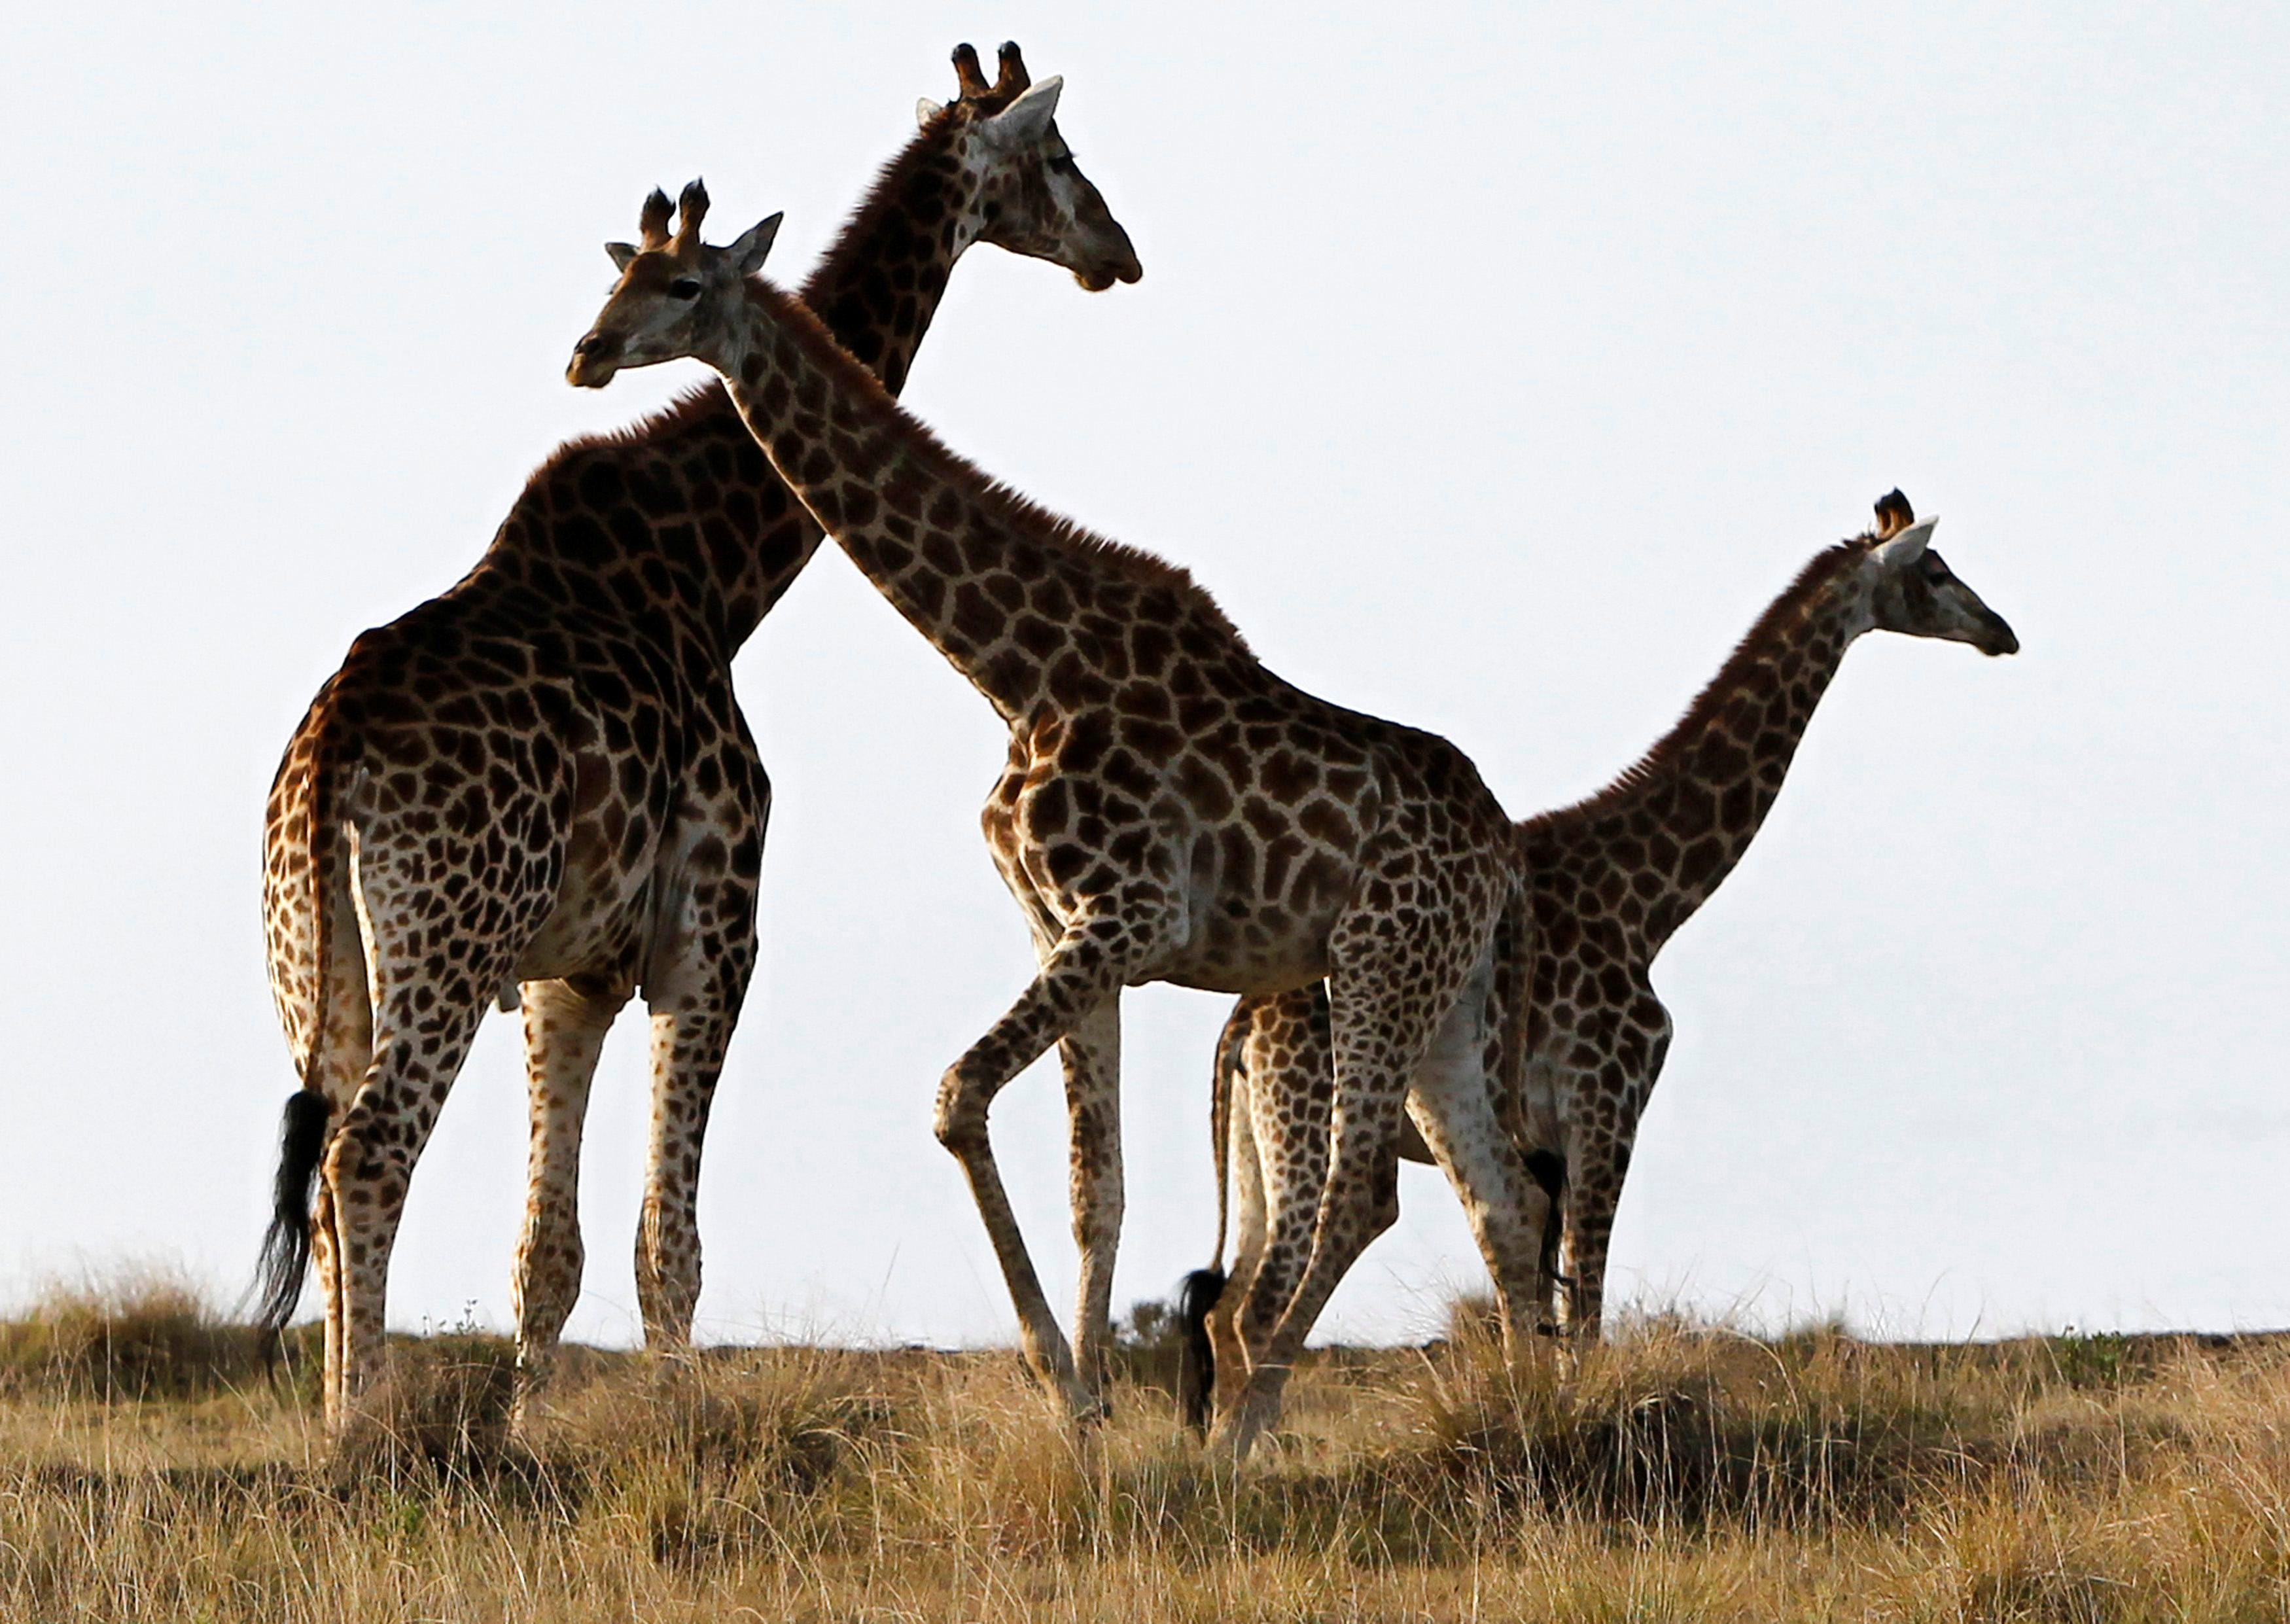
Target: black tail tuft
{"type": "Point", "coordinates": [1548, 1169]}
{"type": "Point", "coordinates": [1196, 1360]}
{"type": "Point", "coordinates": [286, 1246]}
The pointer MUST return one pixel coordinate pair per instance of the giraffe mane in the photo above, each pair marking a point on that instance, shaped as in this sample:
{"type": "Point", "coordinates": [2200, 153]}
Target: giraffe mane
{"type": "Point", "coordinates": [1769, 632]}
{"type": "Point", "coordinates": [890, 181]}
{"type": "Point", "coordinates": [1004, 502]}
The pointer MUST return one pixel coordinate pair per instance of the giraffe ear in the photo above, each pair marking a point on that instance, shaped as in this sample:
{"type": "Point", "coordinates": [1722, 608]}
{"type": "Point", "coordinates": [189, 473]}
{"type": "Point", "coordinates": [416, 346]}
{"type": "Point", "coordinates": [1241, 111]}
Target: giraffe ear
{"type": "Point", "coordinates": [926, 110]}
{"type": "Point", "coordinates": [1024, 119]}
{"type": "Point", "coordinates": [622, 253]}
{"type": "Point", "coordinates": [748, 253]}
{"type": "Point", "coordinates": [1908, 547]}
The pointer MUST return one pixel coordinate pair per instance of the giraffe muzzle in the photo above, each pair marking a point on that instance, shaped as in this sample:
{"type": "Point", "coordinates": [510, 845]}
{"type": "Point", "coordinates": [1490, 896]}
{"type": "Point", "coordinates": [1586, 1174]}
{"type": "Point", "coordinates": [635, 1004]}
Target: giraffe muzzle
{"type": "Point", "coordinates": [596, 358]}
{"type": "Point", "coordinates": [1115, 260]}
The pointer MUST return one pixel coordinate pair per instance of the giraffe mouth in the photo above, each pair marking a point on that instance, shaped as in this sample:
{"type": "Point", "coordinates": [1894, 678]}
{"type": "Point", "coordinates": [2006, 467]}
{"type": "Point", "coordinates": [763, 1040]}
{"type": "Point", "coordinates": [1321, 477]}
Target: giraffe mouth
{"type": "Point", "coordinates": [1097, 278]}
{"type": "Point", "coordinates": [1112, 260]}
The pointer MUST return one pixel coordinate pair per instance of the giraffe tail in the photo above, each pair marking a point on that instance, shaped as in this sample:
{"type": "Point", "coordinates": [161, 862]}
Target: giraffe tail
{"type": "Point", "coordinates": [305, 899]}
{"type": "Point", "coordinates": [286, 1243]}
{"type": "Point", "coordinates": [1203, 1287]}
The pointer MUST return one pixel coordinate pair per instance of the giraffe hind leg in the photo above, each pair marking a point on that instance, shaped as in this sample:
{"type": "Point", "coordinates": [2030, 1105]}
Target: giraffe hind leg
{"type": "Point", "coordinates": [565, 1028]}
{"type": "Point", "coordinates": [688, 1048]}
{"type": "Point", "coordinates": [697, 969]}
{"type": "Point", "coordinates": [1452, 1105]}
{"type": "Point", "coordinates": [1390, 992]}
{"type": "Point", "coordinates": [1290, 1092]}
{"type": "Point", "coordinates": [371, 1164]}
{"type": "Point", "coordinates": [1251, 1236]}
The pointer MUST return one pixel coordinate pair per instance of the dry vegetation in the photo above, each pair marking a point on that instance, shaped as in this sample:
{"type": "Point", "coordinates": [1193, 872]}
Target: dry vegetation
{"type": "Point", "coordinates": [151, 1474]}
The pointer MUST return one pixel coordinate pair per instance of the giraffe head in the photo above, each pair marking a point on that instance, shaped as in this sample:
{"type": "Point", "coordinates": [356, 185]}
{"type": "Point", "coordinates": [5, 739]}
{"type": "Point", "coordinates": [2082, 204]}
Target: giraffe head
{"type": "Point", "coordinates": [1031, 197]}
{"type": "Point", "coordinates": [1913, 592]}
{"type": "Point", "coordinates": [676, 296]}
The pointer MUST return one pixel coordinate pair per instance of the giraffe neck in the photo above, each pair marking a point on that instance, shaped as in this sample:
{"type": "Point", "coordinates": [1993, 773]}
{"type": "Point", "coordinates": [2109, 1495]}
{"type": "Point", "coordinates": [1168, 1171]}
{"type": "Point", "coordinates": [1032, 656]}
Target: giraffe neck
{"type": "Point", "coordinates": [1040, 615]}
{"type": "Point", "coordinates": [1663, 837]}
{"type": "Point", "coordinates": [679, 520]}
{"type": "Point", "coordinates": [879, 283]}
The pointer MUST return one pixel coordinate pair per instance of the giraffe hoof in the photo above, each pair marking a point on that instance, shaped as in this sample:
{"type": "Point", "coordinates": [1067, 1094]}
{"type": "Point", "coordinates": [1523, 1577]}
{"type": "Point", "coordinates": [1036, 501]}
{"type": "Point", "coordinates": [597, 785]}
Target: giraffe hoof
{"type": "Point", "coordinates": [1092, 1412]}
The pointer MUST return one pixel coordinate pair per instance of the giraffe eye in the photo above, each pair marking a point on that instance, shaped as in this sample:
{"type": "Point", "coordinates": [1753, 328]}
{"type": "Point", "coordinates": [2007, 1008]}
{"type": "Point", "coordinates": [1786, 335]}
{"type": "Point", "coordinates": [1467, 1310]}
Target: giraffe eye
{"type": "Point", "coordinates": [684, 287]}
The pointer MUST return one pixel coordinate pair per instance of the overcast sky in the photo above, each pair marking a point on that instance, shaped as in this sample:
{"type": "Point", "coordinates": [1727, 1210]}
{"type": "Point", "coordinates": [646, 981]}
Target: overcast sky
{"type": "Point", "coordinates": [1494, 366]}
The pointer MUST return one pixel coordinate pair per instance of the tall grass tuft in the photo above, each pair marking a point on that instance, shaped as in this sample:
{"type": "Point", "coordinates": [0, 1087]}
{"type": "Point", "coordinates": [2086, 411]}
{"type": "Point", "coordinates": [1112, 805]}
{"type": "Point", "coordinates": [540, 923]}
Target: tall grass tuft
{"type": "Point", "coordinates": [145, 1333]}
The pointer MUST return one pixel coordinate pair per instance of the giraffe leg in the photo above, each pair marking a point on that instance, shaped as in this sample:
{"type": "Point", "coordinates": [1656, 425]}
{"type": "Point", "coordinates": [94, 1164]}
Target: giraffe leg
{"type": "Point", "coordinates": [687, 1051]}
{"type": "Point", "coordinates": [342, 1058]}
{"type": "Point", "coordinates": [368, 1167]}
{"type": "Point", "coordinates": [565, 1027]}
{"type": "Point", "coordinates": [1388, 998]}
{"type": "Point", "coordinates": [1092, 1058]}
{"type": "Point", "coordinates": [1083, 972]}
{"type": "Point", "coordinates": [1291, 1087]}
{"type": "Point", "coordinates": [1454, 1107]}
{"type": "Point", "coordinates": [1599, 1157]}
{"type": "Point", "coordinates": [1591, 1193]}
{"type": "Point", "coordinates": [695, 981]}
{"type": "Point", "coordinates": [1248, 1246]}
{"type": "Point", "coordinates": [326, 1259]}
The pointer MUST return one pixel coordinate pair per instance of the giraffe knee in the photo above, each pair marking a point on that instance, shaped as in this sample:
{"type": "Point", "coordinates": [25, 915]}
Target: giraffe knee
{"type": "Point", "coordinates": [960, 1120]}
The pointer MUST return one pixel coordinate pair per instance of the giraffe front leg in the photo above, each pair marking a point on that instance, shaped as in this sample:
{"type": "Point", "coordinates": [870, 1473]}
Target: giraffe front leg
{"type": "Point", "coordinates": [565, 1025]}
{"type": "Point", "coordinates": [687, 1048]}
{"type": "Point", "coordinates": [1081, 973]}
{"type": "Point", "coordinates": [1092, 1058]}
{"type": "Point", "coordinates": [1600, 1142]}
{"type": "Point", "coordinates": [1594, 1188]}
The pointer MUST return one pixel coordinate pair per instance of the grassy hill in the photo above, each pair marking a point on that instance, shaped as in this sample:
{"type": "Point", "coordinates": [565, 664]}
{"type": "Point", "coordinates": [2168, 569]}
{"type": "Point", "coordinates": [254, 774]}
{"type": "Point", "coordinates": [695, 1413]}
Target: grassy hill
{"type": "Point", "coordinates": [148, 1470]}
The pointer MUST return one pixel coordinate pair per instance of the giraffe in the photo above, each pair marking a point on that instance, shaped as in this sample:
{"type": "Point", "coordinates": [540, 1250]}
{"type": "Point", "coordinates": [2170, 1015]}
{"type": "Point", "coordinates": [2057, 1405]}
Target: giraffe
{"type": "Point", "coordinates": [538, 787]}
{"type": "Point", "coordinates": [1613, 878]}
{"type": "Point", "coordinates": [1170, 808]}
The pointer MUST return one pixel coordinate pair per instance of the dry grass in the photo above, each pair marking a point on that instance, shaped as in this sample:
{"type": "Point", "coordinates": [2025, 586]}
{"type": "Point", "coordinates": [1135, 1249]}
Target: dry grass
{"type": "Point", "coordinates": [1682, 1473]}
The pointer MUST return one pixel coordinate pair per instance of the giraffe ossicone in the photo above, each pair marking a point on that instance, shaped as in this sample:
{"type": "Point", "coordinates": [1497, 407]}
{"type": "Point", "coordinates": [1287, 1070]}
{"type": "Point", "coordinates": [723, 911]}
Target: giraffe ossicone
{"type": "Point", "coordinates": [1170, 811]}
{"type": "Point", "coordinates": [538, 792]}
{"type": "Point", "coordinates": [1613, 878]}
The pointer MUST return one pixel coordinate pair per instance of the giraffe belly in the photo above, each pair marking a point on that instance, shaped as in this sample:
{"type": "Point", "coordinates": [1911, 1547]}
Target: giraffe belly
{"type": "Point", "coordinates": [594, 928]}
{"type": "Point", "coordinates": [603, 914]}
{"type": "Point", "coordinates": [1235, 942]}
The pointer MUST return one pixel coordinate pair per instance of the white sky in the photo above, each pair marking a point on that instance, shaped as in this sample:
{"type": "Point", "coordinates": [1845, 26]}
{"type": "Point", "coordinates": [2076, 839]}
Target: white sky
{"type": "Point", "coordinates": [1495, 366]}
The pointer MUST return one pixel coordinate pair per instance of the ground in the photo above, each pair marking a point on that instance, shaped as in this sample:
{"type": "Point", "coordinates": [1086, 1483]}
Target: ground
{"type": "Point", "coordinates": [149, 1470]}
